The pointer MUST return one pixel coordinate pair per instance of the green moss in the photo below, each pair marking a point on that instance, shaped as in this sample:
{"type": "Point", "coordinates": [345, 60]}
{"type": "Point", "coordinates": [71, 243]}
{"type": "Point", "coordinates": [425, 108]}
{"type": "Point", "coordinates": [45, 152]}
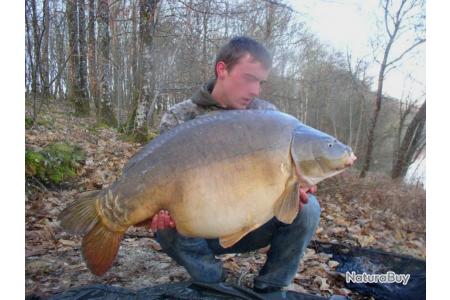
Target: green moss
{"type": "Point", "coordinates": [97, 127]}
{"type": "Point", "coordinates": [34, 164]}
{"type": "Point", "coordinates": [28, 122]}
{"type": "Point", "coordinates": [139, 137]}
{"type": "Point", "coordinates": [56, 163]}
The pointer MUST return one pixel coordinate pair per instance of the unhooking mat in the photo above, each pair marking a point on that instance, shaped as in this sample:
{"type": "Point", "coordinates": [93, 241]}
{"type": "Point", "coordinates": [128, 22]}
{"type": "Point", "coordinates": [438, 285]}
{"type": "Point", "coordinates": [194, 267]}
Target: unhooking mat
{"type": "Point", "coordinates": [372, 261]}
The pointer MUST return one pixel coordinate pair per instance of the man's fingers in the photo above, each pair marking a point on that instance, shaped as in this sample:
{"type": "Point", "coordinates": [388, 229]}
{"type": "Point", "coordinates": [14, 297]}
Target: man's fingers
{"type": "Point", "coordinates": [154, 223]}
{"type": "Point", "coordinates": [160, 224]}
{"type": "Point", "coordinates": [167, 219]}
{"type": "Point", "coordinates": [313, 189]}
{"type": "Point", "coordinates": [162, 220]}
{"type": "Point", "coordinates": [303, 196]}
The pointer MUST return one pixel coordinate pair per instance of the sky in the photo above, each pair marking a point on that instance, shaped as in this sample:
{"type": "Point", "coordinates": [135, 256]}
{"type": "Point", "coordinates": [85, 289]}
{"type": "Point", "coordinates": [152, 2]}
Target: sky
{"type": "Point", "coordinates": [348, 25]}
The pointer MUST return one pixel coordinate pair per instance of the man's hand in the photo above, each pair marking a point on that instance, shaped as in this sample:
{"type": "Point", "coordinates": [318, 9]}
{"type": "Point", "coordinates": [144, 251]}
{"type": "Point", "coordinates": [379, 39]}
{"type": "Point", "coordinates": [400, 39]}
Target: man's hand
{"type": "Point", "coordinates": [162, 220]}
{"type": "Point", "coordinates": [303, 195]}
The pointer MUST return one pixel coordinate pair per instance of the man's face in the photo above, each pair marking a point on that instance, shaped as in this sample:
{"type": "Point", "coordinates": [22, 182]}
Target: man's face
{"type": "Point", "coordinates": [242, 83]}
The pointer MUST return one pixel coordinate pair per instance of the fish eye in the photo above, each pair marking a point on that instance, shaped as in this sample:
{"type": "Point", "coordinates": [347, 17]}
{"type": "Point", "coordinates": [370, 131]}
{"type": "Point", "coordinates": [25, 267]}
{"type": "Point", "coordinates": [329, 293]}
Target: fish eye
{"type": "Point", "coordinates": [330, 145]}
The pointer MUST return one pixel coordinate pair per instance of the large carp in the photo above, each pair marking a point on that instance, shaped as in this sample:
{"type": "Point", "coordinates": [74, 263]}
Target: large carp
{"type": "Point", "coordinates": [220, 176]}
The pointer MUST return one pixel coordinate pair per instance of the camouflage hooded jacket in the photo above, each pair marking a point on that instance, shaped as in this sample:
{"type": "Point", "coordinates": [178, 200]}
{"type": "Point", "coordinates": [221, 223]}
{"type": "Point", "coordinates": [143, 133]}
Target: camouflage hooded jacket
{"type": "Point", "coordinates": [199, 104]}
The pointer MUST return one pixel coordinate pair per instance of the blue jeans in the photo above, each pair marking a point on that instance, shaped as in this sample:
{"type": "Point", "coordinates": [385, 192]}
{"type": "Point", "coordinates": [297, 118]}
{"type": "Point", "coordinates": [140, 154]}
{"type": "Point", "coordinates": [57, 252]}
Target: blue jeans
{"type": "Point", "coordinates": [287, 246]}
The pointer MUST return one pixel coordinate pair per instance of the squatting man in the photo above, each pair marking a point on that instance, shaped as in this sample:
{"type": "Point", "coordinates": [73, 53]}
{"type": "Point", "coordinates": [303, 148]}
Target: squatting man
{"type": "Point", "coordinates": [242, 66]}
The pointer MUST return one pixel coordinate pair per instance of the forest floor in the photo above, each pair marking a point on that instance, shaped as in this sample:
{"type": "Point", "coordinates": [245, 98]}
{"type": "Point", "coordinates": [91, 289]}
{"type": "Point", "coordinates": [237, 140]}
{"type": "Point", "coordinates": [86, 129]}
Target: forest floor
{"type": "Point", "coordinates": [373, 212]}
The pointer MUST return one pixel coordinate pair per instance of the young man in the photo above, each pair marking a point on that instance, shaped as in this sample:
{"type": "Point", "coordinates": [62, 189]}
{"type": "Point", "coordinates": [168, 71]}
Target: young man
{"type": "Point", "coordinates": [242, 65]}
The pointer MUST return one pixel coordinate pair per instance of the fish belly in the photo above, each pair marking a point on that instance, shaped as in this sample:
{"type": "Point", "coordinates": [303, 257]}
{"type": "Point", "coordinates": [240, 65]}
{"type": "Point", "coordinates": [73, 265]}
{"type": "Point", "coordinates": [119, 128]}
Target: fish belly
{"type": "Point", "coordinates": [227, 196]}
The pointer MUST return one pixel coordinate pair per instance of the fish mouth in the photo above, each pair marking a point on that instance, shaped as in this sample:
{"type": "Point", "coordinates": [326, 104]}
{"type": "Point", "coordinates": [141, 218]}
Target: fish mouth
{"type": "Point", "coordinates": [350, 161]}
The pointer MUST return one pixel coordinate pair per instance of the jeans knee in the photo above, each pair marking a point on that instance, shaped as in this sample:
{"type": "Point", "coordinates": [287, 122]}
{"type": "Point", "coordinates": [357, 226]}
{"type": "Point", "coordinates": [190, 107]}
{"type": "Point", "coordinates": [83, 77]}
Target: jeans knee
{"type": "Point", "coordinates": [166, 237]}
{"type": "Point", "coordinates": [309, 215]}
{"type": "Point", "coordinates": [313, 206]}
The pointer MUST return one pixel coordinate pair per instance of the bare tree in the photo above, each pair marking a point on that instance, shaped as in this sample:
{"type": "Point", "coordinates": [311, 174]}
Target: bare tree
{"type": "Point", "coordinates": [405, 109]}
{"type": "Point", "coordinates": [106, 110]}
{"type": "Point", "coordinates": [412, 144]}
{"type": "Point", "coordinates": [147, 25]}
{"type": "Point", "coordinates": [36, 47]}
{"type": "Point", "coordinates": [45, 43]}
{"type": "Point", "coordinates": [72, 27]}
{"type": "Point", "coordinates": [92, 58]}
{"type": "Point", "coordinates": [395, 22]}
{"type": "Point", "coordinates": [76, 91]}
{"type": "Point", "coordinates": [83, 51]}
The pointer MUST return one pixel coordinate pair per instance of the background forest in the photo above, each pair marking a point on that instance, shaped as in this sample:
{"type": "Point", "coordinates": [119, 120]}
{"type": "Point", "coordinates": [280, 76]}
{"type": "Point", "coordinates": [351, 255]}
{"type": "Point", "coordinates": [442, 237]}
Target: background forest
{"type": "Point", "coordinates": [126, 62]}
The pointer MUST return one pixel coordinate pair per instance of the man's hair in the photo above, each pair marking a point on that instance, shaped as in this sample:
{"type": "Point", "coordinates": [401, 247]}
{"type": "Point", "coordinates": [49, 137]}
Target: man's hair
{"type": "Point", "coordinates": [238, 47]}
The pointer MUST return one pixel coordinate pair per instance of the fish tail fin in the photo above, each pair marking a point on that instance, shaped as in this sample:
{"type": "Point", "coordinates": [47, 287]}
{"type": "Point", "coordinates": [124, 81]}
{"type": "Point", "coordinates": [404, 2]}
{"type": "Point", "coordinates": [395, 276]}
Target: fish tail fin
{"type": "Point", "coordinates": [100, 247]}
{"type": "Point", "coordinates": [100, 244]}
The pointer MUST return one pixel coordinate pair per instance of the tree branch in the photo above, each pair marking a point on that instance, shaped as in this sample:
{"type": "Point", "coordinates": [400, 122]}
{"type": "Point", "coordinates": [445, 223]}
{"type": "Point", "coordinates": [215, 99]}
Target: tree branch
{"type": "Point", "coordinates": [385, 7]}
{"type": "Point", "coordinates": [421, 41]}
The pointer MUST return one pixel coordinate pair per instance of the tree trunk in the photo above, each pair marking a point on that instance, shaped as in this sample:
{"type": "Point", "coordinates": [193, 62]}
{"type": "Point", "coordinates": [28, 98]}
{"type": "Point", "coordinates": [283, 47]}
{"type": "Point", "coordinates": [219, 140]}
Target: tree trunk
{"type": "Point", "coordinates": [92, 59]}
{"type": "Point", "coordinates": [148, 19]}
{"type": "Point", "coordinates": [59, 30]}
{"type": "Point", "coordinates": [106, 110]}
{"type": "Point", "coordinates": [72, 28]}
{"type": "Point", "coordinates": [31, 64]}
{"type": "Point", "coordinates": [115, 68]}
{"type": "Point", "coordinates": [37, 49]}
{"type": "Point", "coordinates": [44, 59]}
{"type": "Point", "coordinates": [374, 120]}
{"type": "Point", "coordinates": [75, 92]}
{"type": "Point", "coordinates": [205, 19]}
{"type": "Point", "coordinates": [410, 145]}
{"type": "Point", "coordinates": [135, 71]}
{"type": "Point", "coordinates": [82, 70]}
{"type": "Point", "coordinates": [404, 111]}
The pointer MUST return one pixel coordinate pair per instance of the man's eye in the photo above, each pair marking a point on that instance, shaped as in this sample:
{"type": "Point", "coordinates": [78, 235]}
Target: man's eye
{"type": "Point", "coordinates": [250, 78]}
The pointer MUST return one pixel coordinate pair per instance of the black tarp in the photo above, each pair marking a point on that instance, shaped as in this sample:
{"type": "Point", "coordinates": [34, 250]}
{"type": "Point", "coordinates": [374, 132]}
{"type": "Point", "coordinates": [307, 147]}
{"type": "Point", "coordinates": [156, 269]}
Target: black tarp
{"type": "Point", "coordinates": [373, 261]}
{"type": "Point", "coordinates": [350, 259]}
{"type": "Point", "coordinates": [178, 291]}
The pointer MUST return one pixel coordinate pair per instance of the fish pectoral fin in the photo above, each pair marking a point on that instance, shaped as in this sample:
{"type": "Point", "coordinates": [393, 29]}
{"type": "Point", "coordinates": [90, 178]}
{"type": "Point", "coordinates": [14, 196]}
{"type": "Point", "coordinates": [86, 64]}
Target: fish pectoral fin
{"type": "Point", "coordinates": [230, 240]}
{"type": "Point", "coordinates": [286, 208]}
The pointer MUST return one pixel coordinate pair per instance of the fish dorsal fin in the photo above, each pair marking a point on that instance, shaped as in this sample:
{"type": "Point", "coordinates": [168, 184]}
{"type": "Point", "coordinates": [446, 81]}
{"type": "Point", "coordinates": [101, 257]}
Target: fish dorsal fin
{"type": "Point", "coordinates": [230, 240]}
{"type": "Point", "coordinates": [286, 208]}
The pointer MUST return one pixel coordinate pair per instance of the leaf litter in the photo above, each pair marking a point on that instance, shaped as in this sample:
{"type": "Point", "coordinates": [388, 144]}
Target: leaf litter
{"type": "Point", "coordinates": [53, 262]}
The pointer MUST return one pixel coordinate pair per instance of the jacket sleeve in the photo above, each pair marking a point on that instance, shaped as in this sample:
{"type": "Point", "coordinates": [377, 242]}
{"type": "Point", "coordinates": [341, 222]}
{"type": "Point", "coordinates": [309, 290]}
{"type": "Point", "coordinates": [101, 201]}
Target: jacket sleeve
{"type": "Point", "coordinates": [262, 104]}
{"type": "Point", "coordinates": [168, 121]}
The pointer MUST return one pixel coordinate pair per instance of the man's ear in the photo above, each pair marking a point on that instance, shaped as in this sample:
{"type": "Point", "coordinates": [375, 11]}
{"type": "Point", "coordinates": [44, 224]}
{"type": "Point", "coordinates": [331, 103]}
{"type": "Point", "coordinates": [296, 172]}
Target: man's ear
{"type": "Point", "coordinates": [221, 69]}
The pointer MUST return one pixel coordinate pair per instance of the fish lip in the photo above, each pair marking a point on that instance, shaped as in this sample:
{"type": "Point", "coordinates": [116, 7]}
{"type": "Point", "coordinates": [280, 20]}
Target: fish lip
{"type": "Point", "coordinates": [351, 160]}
